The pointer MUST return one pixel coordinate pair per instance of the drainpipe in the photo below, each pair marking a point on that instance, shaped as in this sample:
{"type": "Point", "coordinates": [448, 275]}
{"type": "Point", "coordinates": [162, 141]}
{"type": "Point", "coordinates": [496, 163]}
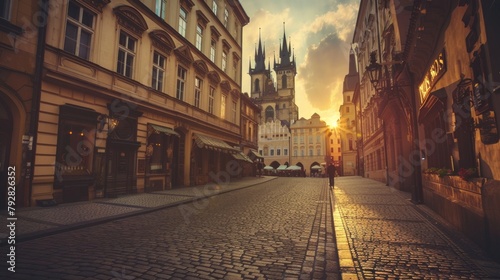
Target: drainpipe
{"type": "Point", "coordinates": [37, 89]}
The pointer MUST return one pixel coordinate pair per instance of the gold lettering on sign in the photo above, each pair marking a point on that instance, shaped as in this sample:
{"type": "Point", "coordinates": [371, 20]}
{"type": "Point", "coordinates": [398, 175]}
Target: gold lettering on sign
{"type": "Point", "coordinates": [435, 72]}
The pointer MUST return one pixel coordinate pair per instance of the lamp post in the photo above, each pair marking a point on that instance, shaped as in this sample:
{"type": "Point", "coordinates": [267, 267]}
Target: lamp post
{"type": "Point", "coordinates": [384, 85]}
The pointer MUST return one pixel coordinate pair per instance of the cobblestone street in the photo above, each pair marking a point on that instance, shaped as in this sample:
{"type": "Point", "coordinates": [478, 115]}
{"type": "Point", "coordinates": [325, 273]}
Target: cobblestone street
{"type": "Point", "coordinates": [281, 229]}
{"type": "Point", "coordinates": [391, 238]}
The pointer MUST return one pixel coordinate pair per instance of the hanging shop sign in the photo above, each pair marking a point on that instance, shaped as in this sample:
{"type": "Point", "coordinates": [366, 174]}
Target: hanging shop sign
{"type": "Point", "coordinates": [435, 72]}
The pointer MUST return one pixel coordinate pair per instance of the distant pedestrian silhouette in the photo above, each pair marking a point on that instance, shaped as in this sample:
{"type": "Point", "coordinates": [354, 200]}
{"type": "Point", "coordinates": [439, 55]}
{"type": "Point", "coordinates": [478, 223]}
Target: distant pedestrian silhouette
{"type": "Point", "coordinates": [330, 170]}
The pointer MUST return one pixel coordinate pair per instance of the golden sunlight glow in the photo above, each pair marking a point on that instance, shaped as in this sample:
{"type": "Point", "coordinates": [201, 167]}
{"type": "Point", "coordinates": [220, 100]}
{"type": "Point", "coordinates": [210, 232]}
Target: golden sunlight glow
{"type": "Point", "coordinates": [332, 122]}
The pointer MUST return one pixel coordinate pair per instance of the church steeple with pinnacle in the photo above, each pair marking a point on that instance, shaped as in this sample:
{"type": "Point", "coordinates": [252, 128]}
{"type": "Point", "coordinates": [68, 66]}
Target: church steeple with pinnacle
{"type": "Point", "coordinates": [352, 77]}
{"type": "Point", "coordinates": [277, 98]}
{"type": "Point", "coordinates": [260, 59]}
{"type": "Point", "coordinates": [287, 60]}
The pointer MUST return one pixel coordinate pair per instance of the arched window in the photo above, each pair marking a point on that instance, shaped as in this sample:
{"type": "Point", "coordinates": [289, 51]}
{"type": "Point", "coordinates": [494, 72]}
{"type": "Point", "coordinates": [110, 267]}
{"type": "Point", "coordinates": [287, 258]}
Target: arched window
{"type": "Point", "coordinates": [269, 114]}
{"type": "Point", "coordinates": [283, 81]}
{"type": "Point", "coordinates": [256, 86]}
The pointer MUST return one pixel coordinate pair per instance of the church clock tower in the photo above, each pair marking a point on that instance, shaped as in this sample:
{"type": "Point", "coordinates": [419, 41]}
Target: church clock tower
{"type": "Point", "coordinates": [277, 104]}
{"type": "Point", "coordinates": [286, 70]}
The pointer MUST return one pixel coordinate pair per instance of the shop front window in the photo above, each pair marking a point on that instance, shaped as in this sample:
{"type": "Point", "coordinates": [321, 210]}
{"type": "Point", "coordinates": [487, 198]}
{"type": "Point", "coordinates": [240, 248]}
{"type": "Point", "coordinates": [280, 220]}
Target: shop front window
{"type": "Point", "coordinates": [76, 142]}
{"type": "Point", "coordinates": [159, 149]}
{"type": "Point", "coordinates": [156, 145]}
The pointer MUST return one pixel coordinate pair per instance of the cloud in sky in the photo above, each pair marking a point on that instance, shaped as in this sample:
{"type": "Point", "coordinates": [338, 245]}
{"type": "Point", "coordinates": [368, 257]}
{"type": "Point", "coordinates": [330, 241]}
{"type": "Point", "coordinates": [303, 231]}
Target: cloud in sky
{"type": "Point", "coordinates": [323, 71]}
{"type": "Point", "coordinates": [320, 35]}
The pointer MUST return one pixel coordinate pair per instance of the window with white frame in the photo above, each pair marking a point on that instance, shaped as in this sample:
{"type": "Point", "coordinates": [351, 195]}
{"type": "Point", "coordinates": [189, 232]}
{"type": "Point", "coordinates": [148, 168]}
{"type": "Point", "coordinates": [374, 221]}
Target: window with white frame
{"type": "Point", "coordinates": [223, 106]}
{"type": "Point", "coordinates": [271, 152]}
{"type": "Point", "coordinates": [233, 111]}
{"type": "Point", "coordinates": [182, 22]}
{"type": "Point", "coordinates": [197, 91]}
{"type": "Point", "coordinates": [126, 54]}
{"type": "Point", "coordinates": [199, 37]}
{"type": "Point", "coordinates": [79, 30]}
{"type": "Point", "coordinates": [224, 61]}
{"type": "Point", "coordinates": [212, 50]}
{"type": "Point", "coordinates": [160, 8]}
{"type": "Point", "coordinates": [211, 98]}
{"type": "Point", "coordinates": [278, 152]}
{"type": "Point", "coordinates": [285, 152]}
{"type": "Point", "coordinates": [226, 17]}
{"type": "Point", "coordinates": [5, 9]}
{"type": "Point", "coordinates": [214, 7]}
{"type": "Point", "coordinates": [158, 71]}
{"type": "Point", "coordinates": [181, 82]}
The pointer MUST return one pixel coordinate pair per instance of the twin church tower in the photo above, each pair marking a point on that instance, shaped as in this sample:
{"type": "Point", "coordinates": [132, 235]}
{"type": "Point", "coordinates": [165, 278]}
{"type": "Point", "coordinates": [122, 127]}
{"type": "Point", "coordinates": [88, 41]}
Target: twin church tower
{"type": "Point", "coordinates": [277, 100]}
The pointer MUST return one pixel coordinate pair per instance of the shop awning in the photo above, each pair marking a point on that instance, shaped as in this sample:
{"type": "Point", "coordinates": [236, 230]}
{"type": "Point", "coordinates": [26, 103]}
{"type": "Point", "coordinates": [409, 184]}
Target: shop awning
{"type": "Point", "coordinates": [166, 130]}
{"type": "Point", "coordinates": [282, 167]}
{"type": "Point", "coordinates": [207, 142]}
{"type": "Point", "coordinates": [241, 156]}
{"type": "Point", "coordinates": [254, 154]}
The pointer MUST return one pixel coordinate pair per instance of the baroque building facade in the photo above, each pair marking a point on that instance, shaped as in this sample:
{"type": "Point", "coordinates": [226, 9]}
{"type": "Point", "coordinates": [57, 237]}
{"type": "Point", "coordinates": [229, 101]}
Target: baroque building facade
{"type": "Point", "coordinates": [139, 96]}
{"type": "Point", "coordinates": [310, 143]}
{"type": "Point", "coordinates": [436, 99]}
{"type": "Point", "coordinates": [372, 130]}
{"type": "Point", "coordinates": [274, 143]}
{"type": "Point", "coordinates": [334, 150]}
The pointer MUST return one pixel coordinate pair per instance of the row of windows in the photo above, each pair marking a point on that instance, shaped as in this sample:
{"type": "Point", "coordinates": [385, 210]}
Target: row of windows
{"type": "Point", "coordinates": [79, 31]}
{"type": "Point", "coordinates": [274, 136]}
{"type": "Point", "coordinates": [338, 150]}
{"type": "Point", "coordinates": [338, 141]}
{"type": "Point", "coordinates": [310, 139]}
{"type": "Point", "coordinates": [270, 152]}
{"type": "Point", "coordinates": [183, 22]}
{"type": "Point", "coordinates": [303, 152]}
{"type": "Point", "coordinates": [160, 9]}
{"type": "Point", "coordinates": [303, 130]}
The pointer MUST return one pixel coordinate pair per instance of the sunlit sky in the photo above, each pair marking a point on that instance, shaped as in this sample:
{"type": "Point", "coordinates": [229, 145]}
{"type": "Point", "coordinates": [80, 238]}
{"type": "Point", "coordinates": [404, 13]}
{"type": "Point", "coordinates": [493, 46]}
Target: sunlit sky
{"type": "Point", "coordinates": [321, 34]}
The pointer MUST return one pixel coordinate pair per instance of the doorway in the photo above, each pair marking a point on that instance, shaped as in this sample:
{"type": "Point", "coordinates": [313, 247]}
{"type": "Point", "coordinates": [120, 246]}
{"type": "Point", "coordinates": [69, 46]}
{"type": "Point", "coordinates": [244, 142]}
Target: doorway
{"type": "Point", "coordinates": [121, 169]}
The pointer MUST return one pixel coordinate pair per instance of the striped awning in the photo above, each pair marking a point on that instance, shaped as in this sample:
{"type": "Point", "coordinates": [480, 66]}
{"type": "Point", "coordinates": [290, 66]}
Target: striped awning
{"type": "Point", "coordinates": [165, 130]}
{"type": "Point", "coordinates": [207, 142]}
{"type": "Point", "coordinates": [254, 154]}
{"type": "Point", "coordinates": [241, 156]}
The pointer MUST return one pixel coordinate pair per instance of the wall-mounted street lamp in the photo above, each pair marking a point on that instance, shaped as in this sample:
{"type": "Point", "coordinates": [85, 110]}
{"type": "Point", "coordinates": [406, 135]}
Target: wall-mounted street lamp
{"type": "Point", "coordinates": [374, 71]}
{"type": "Point", "coordinates": [103, 120]}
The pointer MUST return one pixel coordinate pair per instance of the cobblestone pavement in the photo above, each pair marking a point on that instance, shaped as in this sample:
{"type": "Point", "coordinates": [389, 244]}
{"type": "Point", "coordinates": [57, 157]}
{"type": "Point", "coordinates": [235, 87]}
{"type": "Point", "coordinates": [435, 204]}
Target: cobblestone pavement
{"type": "Point", "coordinates": [391, 238]}
{"type": "Point", "coordinates": [36, 221]}
{"type": "Point", "coordinates": [280, 229]}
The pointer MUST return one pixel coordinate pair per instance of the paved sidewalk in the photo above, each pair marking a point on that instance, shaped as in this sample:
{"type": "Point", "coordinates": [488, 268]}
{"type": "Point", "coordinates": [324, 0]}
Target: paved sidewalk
{"type": "Point", "coordinates": [382, 235]}
{"type": "Point", "coordinates": [36, 222]}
